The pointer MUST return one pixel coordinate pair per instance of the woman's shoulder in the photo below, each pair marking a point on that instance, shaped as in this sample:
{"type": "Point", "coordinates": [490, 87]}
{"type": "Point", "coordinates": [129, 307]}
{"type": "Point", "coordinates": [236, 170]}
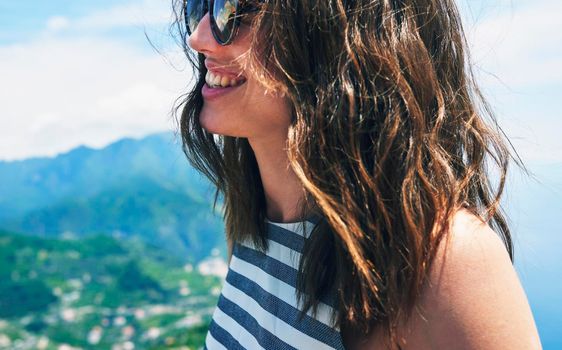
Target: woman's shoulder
{"type": "Point", "coordinates": [473, 298]}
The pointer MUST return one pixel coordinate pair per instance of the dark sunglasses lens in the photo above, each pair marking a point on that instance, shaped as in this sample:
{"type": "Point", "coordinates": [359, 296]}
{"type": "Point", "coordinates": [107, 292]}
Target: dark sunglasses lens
{"type": "Point", "coordinates": [224, 18]}
{"type": "Point", "coordinates": [194, 11]}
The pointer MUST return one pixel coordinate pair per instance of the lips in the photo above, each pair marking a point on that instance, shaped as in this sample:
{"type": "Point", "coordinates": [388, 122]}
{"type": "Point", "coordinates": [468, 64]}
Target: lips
{"type": "Point", "coordinates": [211, 94]}
{"type": "Point", "coordinates": [220, 71]}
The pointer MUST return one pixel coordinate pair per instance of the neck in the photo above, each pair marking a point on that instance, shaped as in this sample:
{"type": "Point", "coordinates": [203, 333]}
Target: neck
{"type": "Point", "coordinates": [283, 190]}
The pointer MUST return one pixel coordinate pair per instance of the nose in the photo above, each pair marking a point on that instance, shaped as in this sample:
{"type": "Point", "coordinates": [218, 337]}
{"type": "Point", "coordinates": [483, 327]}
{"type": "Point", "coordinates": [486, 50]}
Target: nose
{"type": "Point", "coordinates": [201, 39]}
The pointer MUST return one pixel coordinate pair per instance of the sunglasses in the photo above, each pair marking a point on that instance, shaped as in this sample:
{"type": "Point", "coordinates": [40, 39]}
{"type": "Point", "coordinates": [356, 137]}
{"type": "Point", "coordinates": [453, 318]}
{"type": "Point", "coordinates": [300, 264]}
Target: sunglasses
{"type": "Point", "coordinates": [225, 16]}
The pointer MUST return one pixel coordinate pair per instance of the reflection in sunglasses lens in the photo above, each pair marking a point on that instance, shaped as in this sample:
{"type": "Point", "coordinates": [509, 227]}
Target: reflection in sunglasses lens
{"type": "Point", "coordinates": [224, 12]}
{"type": "Point", "coordinates": [194, 11]}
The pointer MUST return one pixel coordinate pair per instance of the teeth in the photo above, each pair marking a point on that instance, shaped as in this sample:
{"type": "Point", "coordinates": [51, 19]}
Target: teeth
{"type": "Point", "coordinates": [216, 80]}
{"type": "Point", "coordinates": [225, 81]}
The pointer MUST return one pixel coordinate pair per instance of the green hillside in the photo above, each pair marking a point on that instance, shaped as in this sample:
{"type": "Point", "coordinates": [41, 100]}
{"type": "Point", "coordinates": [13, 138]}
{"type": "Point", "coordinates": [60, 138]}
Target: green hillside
{"type": "Point", "coordinates": [168, 219]}
{"type": "Point", "coordinates": [100, 291]}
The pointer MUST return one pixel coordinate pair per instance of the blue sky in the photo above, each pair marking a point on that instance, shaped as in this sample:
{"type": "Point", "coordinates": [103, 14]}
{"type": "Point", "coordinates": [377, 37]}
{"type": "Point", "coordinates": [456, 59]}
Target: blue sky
{"type": "Point", "coordinates": [81, 72]}
{"type": "Point", "coordinates": [77, 72]}
{"type": "Point", "coordinates": [24, 21]}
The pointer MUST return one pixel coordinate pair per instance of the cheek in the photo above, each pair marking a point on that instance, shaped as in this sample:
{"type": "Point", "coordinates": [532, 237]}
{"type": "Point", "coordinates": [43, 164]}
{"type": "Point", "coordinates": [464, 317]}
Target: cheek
{"type": "Point", "coordinates": [269, 108]}
{"type": "Point", "coordinates": [272, 115]}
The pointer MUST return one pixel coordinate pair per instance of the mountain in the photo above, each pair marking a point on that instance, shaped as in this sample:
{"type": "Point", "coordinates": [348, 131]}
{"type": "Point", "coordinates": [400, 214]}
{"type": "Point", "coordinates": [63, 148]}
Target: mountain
{"type": "Point", "coordinates": [82, 172]}
{"type": "Point", "coordinates": [143, 188]}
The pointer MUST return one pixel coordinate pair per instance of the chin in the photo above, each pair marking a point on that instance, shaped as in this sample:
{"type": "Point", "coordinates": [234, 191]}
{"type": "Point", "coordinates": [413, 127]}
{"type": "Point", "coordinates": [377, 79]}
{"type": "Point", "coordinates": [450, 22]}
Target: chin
{"type": "Point", "coordinates": [210, 121]}
{"type": "Point", "coordinates": [216, 124]}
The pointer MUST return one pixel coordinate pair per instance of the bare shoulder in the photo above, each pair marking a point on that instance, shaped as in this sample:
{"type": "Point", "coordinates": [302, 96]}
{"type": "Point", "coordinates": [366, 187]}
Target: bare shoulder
{"type": "Point", "coordinates": [473, 299]}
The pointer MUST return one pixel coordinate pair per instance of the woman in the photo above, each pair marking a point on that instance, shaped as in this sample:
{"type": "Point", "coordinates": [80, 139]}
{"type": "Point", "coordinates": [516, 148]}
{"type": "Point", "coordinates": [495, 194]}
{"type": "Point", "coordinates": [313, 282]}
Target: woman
{"type": "Point", "coordinates": [350, 143]}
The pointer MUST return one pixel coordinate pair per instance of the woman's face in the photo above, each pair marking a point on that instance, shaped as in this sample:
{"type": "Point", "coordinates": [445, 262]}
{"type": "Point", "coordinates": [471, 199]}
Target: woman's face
{"type": "Point", "coordinates": [245, 108]}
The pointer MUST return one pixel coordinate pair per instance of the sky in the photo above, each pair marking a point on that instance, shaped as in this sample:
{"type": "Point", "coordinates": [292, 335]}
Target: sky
{"type": "Point", "coordinates": [82, 73]}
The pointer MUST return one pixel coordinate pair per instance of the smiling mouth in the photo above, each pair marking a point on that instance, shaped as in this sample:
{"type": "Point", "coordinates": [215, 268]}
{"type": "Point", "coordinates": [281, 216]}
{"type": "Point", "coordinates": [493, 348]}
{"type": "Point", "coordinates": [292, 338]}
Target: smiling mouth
{"type": "Point", "coordinates": [218, 81]}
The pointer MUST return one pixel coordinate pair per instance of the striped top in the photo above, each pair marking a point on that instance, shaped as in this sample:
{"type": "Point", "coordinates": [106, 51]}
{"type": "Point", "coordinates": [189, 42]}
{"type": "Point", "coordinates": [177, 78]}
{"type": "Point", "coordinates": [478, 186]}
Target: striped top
{"type": "Point", "coordinates": [258, 309]}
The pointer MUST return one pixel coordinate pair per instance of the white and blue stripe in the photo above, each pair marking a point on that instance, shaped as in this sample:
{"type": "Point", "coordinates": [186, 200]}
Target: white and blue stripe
{"type": "Point", "coordinates": [258, 308]}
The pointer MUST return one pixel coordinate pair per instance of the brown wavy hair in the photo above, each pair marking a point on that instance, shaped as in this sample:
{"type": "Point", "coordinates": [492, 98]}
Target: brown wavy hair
{"type": "Point", "coordinates": [390, 136]}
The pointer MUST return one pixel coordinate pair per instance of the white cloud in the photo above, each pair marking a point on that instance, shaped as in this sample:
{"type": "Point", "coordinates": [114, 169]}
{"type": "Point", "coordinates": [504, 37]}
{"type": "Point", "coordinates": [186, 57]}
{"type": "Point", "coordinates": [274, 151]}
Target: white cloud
{"type": "Point", "coordinates": [59, 93]}
{"type": "Point", "coordinates": [517, 49]}
{"type": "Point", "coordinates": [522, 45]}
{"type": "Point", "coordinates": [57, 23]}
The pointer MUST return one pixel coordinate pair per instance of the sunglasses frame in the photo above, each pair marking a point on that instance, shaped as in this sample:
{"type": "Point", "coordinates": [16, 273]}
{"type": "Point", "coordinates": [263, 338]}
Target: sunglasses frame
{"type": "Point", "coordinates": [210, 4]}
